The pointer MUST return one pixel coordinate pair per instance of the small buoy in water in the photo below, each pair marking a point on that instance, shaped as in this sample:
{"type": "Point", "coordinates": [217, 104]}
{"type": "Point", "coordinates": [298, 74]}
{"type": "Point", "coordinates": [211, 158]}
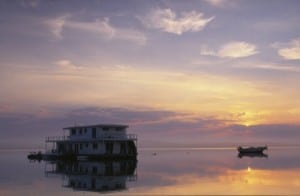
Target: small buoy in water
{"type": "Point", "coordinates": [154, 153]}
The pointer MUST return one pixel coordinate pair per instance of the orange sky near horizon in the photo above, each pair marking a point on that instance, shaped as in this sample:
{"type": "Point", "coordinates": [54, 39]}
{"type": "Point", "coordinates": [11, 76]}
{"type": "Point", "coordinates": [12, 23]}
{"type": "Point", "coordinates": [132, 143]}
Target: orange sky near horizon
{"type": "Point", "coordinates": [199, 94]}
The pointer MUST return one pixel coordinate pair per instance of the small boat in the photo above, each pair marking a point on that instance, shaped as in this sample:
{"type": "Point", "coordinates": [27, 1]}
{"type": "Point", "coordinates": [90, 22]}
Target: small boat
{"type": "Point", "coordinates": [258, 149]}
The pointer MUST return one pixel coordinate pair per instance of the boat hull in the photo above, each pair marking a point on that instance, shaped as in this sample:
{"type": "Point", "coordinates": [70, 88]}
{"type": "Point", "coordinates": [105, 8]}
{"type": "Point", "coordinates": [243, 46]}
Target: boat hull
{"type": "Point", "coordinates": [252, 149]}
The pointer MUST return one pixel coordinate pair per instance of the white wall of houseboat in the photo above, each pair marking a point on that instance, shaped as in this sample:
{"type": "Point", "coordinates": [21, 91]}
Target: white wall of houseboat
{"type": "Point", "coordinates": [100, 132]}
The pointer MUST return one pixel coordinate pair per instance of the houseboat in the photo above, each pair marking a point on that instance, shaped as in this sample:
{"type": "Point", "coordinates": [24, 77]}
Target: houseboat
{"type": "Point", "coordinates": [91, 142]}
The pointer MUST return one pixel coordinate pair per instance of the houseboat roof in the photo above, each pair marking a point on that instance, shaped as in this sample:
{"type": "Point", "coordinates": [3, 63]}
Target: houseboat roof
{"type": "Point", "coordinates": [98, 125]}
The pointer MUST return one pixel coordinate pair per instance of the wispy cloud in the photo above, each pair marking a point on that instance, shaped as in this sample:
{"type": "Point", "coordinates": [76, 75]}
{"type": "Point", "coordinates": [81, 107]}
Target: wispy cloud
{"type": "Point", "coordinates": [168, 21]}
{"type": "Point", "coordinates": [56, 25]}
{"type": "Point", "coordinates": [152, 126]}
{"type": "Point", "coordinates": [267, 66]}
{"type": "Point", "coordinates": [242, 64]}
{"type": "Point", "coordinates": [190, 92]}
{"type": "Point", "coordinates": [67, 64]}
{"type": "Point", "coordinates": [102, 27]}
{"type": "Point", "coordinates": [237, 50]}
{"type": "Point", "coordinates": [290, 50]}
{"type": "Point", "coordinates": [205, 51]}
{"type": "Point", "coordinates": [231, 50]}
{"type": "Point", "coordinates": [31, 3]}
{"type": "Point", "coordinates": [216, 2]}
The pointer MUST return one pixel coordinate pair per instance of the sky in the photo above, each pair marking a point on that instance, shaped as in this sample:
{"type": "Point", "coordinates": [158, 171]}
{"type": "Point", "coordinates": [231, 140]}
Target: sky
{"type": "Point", "coordinates": [177, 72]}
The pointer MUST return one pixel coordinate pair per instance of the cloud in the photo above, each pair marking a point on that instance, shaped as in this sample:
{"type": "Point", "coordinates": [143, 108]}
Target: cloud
{"type": "Point", "coordinates": [101, 27]}
{"type": "Point", "coordinates": [289, 51]}
{"type": "Point", "coordinates": [222, 3]}
{"type": "Point", "coordinates": [215, 2]}
{"type": "Point", "coordinates": [132, 84]}
{"type": "Point", "coordinates": [67, 64]}
{"type": "Point", "coordinates": [231, 50]}
{"type": "Point", "coordinates": [268, 66]}
{"type": "Point", "coordinates": [205, 51]}
{"type": "Point", "coordinates": [56, 25]}
{"type": "Point", "coordinates": [196, 92]}
{"type": "Point", "coordinates": [154, 127]}
{"type": "Point", "coordinates": [31, 3]}
{"type": "Point", "coordinates": [237, 50]}
{"type": "Point", "coordinates": [168, 21]}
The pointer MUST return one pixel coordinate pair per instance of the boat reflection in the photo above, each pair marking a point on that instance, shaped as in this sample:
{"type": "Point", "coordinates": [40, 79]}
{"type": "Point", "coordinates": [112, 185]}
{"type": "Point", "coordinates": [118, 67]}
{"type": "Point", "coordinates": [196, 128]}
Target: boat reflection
{"type": "Point", "coordinates": [253, 155]}
{"type": "Point", "coordinates": [97, 176]}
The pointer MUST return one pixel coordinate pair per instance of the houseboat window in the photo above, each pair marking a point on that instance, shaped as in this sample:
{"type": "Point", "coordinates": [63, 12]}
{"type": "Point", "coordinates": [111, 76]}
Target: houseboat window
{"type": "Point", "coordinates": [94, 170]}
{"type": "Point", "coordinates": [94, 133]}
{"type": "Point", "coordinates": [119, 129]}
{"type": "Point", "coordinates": [109, 147]}
{"type": "Point", "coordinates": [76, 167]}
{"type": "Point", "coordinates": [95, 145]}
{"type": "Point", "coordinates": [105, 128]}
{"type": "Point", "coordinates": [80, 146]}
{"type": "Point", "coordinates": [123, 148]}
{"type": "Point", "coordinates": [86, 145]}
{"type": "Point", "coordinates": [73, 131]}
{"type": "Point", "coordinates": [85, 130]}
{"type": "Point", "coordinates": [93, 183]}
{"type": "Point", "coordinates": [104, 187]}
{"type": "Point", "coordinates": [80, 131]}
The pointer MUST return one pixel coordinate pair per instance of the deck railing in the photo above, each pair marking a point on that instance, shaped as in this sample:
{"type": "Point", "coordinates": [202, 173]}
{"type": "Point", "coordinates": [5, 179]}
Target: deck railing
{"type": "Point", "coordinates": [56, 138]}
{"type": "Point", "coordinates": [102, 137]}
{"type": "Point", "coordinates": [131, 136]}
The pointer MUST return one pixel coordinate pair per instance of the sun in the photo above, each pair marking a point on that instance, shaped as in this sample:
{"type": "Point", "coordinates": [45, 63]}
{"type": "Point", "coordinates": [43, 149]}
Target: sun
{"type": "Point", "coordinates": [247, 124]}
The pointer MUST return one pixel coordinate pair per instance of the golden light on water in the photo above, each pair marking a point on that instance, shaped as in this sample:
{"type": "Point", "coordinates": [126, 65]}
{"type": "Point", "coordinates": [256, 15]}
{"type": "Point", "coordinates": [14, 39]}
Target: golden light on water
{"type": "Point", "coordinates": [243, 181]}
{"type": "Point", "coordinates": [249, 169]}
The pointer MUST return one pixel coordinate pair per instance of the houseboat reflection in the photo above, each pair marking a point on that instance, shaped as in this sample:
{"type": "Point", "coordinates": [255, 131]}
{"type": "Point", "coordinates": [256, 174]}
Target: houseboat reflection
{"type": "Point", "coordinates": [99, 176]}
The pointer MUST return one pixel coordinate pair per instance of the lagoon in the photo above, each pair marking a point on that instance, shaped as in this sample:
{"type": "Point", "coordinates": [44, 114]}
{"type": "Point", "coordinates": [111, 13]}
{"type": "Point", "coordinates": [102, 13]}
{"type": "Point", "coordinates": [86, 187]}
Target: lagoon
{"type": "Point", "coordinates": [158, 171]}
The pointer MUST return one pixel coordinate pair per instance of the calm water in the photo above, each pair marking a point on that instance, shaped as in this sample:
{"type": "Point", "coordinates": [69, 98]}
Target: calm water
{"type": "Point", "coordinates": [158, 171]}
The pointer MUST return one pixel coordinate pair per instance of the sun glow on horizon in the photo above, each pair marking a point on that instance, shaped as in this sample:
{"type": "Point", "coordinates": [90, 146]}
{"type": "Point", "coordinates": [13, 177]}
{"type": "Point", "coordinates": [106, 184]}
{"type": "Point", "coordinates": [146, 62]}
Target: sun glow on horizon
{"type": "Point", "coordinates": [159, 89]}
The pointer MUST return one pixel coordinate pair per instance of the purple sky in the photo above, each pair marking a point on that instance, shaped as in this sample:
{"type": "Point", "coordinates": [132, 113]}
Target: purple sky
{"type": "Point", "coordinates": [177, 72]}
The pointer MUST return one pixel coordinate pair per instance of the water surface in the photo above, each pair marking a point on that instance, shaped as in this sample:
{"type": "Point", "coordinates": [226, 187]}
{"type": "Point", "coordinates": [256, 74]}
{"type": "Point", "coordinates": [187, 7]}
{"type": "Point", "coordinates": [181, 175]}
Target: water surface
{"type": "Point", "coordinates": [157, 172]}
